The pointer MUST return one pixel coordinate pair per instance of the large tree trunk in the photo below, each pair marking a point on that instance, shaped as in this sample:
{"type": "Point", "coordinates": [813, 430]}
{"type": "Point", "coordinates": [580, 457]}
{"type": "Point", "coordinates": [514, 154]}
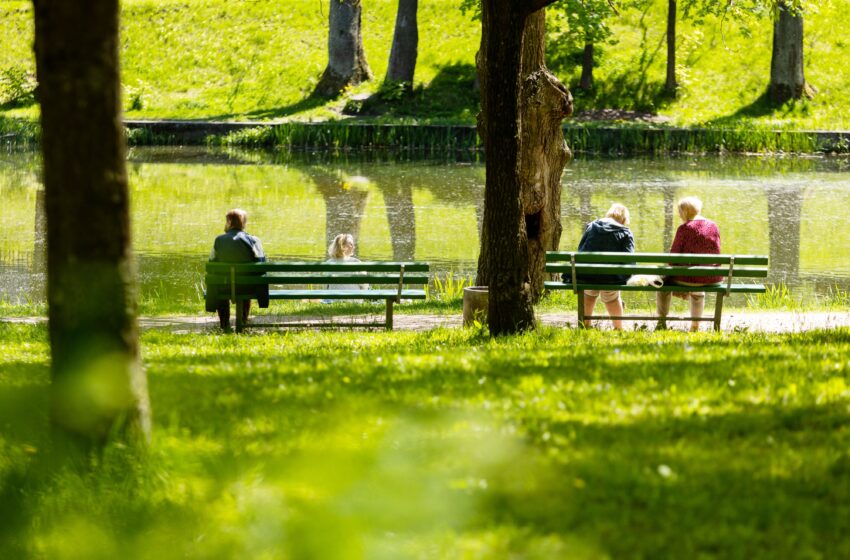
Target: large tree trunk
{"type": "Point", "coordinates": [402, 62]}
{"type": "Point", "coordinates": [346, 59]}
{"type": "Point", "coordinates": [503, 263]}
{"type": "Point", "coordinates": [671, 85]}
{"type": "Point", "coordinates": [98, 387]}
{"type": "Point", "coordinates": [398, 200]}
{"type": "Point", "coordinates": [585, 83]}
{"type": "Point", "coordinates": [543, 150]}
{"type": "Point", "coordinates": [787, 80]}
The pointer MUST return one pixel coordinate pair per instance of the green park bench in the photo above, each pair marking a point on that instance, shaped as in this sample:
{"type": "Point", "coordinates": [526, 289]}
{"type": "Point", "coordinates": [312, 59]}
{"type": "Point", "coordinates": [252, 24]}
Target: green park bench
{"type": "Point", "coordinates": [388, 281]}
{"type": "Point", "coordinates": [733, 267]}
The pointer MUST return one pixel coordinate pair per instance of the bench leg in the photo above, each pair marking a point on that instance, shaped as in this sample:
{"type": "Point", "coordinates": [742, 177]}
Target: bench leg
{"type": "Point", "coordinates": [580, 305]}
{"type": "Point", "coordinates": [718, 311]}
{"type": "Point", "coordinates": [389, 323]}
{"type": "Point", "coordinates": [238, 308]}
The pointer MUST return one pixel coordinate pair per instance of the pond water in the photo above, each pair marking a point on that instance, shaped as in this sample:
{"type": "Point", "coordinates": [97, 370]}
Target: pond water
{"type": "Point", "coordinates": [793, 209]}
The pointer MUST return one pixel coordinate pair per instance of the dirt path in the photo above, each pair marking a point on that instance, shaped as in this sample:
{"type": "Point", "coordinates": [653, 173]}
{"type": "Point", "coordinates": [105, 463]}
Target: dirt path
{"type": "Point", "coordinates": [774, 321]}
{"type": "Point", "coordinates": [777, 321]}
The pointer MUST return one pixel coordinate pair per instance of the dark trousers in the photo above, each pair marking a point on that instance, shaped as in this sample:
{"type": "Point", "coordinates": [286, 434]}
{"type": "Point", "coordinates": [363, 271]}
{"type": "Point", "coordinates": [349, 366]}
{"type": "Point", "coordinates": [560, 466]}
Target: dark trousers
{"type": "Point", "coordinates": [224, 312]}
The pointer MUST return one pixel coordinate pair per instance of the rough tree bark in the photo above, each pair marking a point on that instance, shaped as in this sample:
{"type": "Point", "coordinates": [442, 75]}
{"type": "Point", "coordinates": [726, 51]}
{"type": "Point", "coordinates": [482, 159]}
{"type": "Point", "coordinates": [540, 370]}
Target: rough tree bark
{"type": "Point", "coordinates": [402, 63]}
{"type": "Point", "coordinates": [585, 83]}
{"type": "Point", "coordinates": [787, 80]}
{"type": "Point", "coordinates": [99, 390]}
{"type": "Point", "coordinates": [670, 84]}
{"type": "Point", "coordinates": [346, 58]}
{"type": "Point", "coordinates": [545, 103]}
{"type": "Point", "coordinates": [503, 263]}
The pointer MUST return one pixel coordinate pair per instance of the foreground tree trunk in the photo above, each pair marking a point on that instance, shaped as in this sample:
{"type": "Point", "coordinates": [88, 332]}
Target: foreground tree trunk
{"type": "Point", "coordinates": [504, 257]}
{"type": "Point", "coordinates": [670, 84]}
{"type": "Point", "coordinates": [99, 390]}
{"type": "Point", "coordinates": [545, 103]}
{"type": "Point", "coordinates": [346, 60]}
{"type": "Point", "coordinates": [787, 80]}
{"type": "Point", "coordinates": [585, 83]}
{"type": "Point", "coordinates": [402, 64]}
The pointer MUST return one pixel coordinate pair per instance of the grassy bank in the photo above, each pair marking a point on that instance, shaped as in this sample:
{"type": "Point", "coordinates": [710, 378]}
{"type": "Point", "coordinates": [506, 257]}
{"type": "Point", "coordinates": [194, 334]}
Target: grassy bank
{"type": "Point", "coordinates": [213, 59]}
{"type": "Point", "coordinates": [447, 445]}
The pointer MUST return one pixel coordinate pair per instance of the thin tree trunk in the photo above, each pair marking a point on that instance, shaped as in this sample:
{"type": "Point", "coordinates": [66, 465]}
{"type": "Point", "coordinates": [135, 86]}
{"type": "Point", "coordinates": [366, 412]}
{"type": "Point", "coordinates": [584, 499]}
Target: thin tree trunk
{"type": "Point", "coordinates": [543, 150]}
{"type": "Point", "coordinates": [586, 81]}
{"type": "Point", "coordinates": [671, 85]}
{"type": "Point", "coordinates": [98, 387]}
{"type": "Point", "coordinates": [346, 58]}
{"type": "Point", "coordinates": [402, 63]}
{"type": "Point", "coordinates": [787, 80]}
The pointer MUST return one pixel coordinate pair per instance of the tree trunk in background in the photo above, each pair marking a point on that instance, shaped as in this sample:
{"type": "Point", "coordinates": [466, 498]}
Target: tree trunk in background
{"type": "Point", "coordinates": [787, 80]}
{"type": "Point", "coordinates": [545, 103]}
{"type": "Point", "coordinates": [586, 81]}
{"type": "Point", "coordinates": [670, 84]}
{"type": "Point", "coordinates": [99, 390]}
{"type": "Point", "coordinates": [402, 62]}
{"type": "Point", "coordinates": [346, 59]}
{"type": "Point", "coordinates": [503, 261]}
{"type": "Point", "coordinates": [503, 264]}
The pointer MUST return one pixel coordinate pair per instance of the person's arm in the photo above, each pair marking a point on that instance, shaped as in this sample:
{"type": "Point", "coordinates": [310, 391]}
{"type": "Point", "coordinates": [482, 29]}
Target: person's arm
{"type": "Point", "coordinates": [259, 253]}
{"type": "Point", "coordinates": [213, 256]}
{"type": "Point", "coordinates": [679, 241]}
{"type": "Point", "coordinates": [581, 243]}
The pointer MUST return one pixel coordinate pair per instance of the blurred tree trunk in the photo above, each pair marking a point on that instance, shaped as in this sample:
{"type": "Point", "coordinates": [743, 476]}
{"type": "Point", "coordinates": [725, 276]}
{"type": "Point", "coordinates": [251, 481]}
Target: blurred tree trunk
{"type": "Point", "coordinates": [346, 59]}
{"type": "Point", "coordinates": [787, 80]}
{"type": "Point", "coordinates": [402, 64]}
{"type": "Point", "coordinates": [670, 84]}
{"type": "Point", "coordinates": [585, 83]}
{"type": "Point", "coordinates": [99, 390]}
{"type": "Point", "coordinates": [503, 263]}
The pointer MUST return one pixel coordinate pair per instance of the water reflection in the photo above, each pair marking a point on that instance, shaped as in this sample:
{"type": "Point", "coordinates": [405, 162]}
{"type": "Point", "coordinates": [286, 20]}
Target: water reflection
{"type": "Point", "coordinates": [404, 210]}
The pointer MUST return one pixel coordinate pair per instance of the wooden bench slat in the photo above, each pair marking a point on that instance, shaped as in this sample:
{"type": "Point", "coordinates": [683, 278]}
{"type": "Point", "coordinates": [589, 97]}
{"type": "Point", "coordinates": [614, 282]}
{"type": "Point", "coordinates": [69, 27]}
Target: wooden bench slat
{"type": "Point", "coordinates": [223, 268]}
{"type": "Point", "coordinates": [343, 294]}
{"type": "Point", "coordinates": [271, 280]}
{"type": "Point", "coordinates": [672, 258]}
{"type": "Point", "coordinates": [622, 269]}
{"type": "Point", "coordinates": [712, 288]}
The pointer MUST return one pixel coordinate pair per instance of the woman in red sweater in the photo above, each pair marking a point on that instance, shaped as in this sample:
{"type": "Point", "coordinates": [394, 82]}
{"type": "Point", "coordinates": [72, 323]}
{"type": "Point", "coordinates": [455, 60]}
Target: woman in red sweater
{"type": "Point", "coordinates": [696, 235]}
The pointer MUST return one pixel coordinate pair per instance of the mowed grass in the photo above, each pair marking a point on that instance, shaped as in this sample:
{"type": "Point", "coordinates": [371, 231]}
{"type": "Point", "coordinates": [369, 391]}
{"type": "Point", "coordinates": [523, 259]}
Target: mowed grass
{"type": "Point", "coordinates": [260, 60]}
{"type": "Point", "coordinates": [446, 444]}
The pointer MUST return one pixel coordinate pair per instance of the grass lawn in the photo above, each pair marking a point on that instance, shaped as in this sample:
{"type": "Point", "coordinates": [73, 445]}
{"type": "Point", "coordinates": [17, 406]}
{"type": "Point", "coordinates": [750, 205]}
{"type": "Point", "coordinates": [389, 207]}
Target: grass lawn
{"type": "Point", "coordinates": [260, 60]}
{"type": "Point", "coordinates": [446, 444]}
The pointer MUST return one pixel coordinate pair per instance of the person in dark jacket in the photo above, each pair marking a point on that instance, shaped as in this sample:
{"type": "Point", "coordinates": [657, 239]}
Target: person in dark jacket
{"type": "Point", "coordinates": [610, 234]}
{"type": "Point", "coordinates": [234, 246]}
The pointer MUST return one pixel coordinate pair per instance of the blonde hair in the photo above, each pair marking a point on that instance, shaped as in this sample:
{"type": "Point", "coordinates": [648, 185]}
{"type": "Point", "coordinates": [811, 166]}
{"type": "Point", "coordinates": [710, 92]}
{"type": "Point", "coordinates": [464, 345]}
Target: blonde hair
{"type": "Point", "coordinates": [619, 213]}
{"type": "Point", "coordinates": [342, 246]}
{"type": "Point", "coordinates": [689, 208]}
{"type": "Point", "coordinates": [236, 218]}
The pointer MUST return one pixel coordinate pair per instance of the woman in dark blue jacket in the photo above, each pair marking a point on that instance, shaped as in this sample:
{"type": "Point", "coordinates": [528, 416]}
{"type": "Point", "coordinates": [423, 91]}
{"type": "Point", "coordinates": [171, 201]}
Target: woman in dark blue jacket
{"type": "Point", "coordinates": [610, 234]}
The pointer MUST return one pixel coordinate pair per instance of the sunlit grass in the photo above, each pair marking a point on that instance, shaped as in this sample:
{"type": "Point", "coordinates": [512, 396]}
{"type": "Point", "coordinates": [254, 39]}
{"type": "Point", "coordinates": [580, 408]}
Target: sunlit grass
{"type": "Point", "coordinates": [446, 444]}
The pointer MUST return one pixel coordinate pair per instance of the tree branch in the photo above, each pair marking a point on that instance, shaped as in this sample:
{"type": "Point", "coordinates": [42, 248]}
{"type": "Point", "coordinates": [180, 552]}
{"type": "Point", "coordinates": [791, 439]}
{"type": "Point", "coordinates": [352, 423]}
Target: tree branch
{"type": "Point", "coordinates": [534, 5]}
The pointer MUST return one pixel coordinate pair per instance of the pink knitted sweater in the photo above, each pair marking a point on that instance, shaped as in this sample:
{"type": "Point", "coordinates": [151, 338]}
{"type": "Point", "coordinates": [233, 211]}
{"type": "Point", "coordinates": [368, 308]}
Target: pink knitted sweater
{"type": "Point", "coordinates": [697, 236]}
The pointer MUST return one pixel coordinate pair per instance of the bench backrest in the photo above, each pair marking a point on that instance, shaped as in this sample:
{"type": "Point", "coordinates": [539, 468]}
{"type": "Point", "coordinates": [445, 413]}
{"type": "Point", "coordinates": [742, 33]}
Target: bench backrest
{"type": "Point", "coordinates": [665, 264]}
{"type": "Point", "coordinates": [306, 273]}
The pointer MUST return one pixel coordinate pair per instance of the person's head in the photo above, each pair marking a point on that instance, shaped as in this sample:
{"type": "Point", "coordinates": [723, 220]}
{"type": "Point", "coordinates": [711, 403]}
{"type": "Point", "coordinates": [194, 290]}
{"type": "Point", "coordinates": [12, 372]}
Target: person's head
{"type": "Point", "coordinates": [618, 213]}
{"type": "Point", "coordinates": [236, 219]}
{"type": "Point", "coordinates": [342, 246]}
{"type": "Point", "coordinates": [689, 208]}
